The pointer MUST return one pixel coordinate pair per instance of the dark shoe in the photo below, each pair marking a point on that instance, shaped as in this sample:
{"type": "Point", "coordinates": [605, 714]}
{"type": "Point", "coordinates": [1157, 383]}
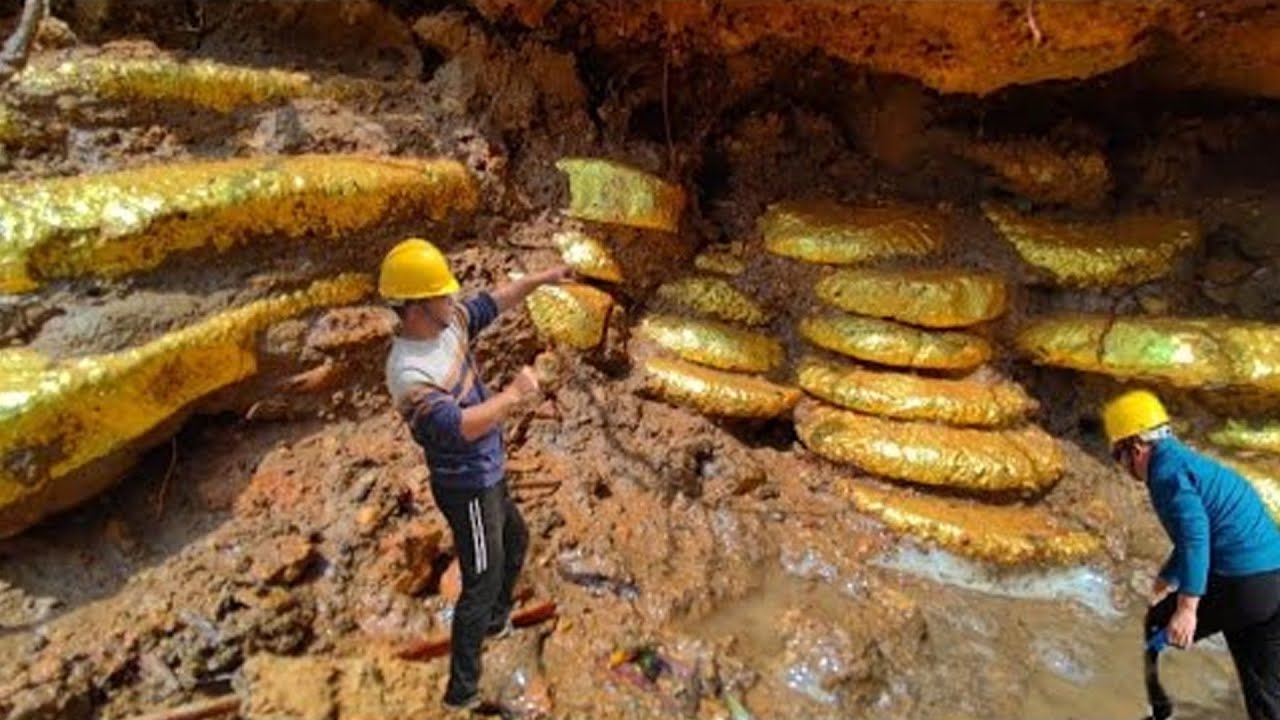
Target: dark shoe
{"type": "Point", "coordinates": [468, 703]}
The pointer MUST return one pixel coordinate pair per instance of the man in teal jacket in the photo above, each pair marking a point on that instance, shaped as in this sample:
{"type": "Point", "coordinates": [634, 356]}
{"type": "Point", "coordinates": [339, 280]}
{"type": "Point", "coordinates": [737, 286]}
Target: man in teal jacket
{"type": "Point", "coordinates": [1224, 572]}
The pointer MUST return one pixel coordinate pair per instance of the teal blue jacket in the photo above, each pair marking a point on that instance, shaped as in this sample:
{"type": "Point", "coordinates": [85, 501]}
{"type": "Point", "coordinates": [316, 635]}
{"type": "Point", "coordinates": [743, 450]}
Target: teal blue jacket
{"type": "Point", "coordinates": [1214, 517]}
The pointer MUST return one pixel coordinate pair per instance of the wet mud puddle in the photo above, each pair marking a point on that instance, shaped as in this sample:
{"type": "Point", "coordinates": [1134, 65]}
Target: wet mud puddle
{"type": "Point", "coordinates": [1038, 646]}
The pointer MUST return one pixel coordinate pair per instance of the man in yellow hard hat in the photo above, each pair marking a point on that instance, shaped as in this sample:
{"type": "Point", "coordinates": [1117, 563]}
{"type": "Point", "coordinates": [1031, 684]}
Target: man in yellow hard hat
{"type": "Point", "coordinates": [1224, 572]}
{"type": "Point", "coordinates": [437, 389]}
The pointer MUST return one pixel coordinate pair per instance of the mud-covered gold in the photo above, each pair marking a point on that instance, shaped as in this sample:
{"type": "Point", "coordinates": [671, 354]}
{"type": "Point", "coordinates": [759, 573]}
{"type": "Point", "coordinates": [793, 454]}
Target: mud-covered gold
{"type": "Point", "coordinates": [571, 314]}
{"type": "Point", "coordinates": [931, 298]}
{"type": "Point", "coordinates": [717, 393]}
{"type": "Point", "coordinates": [69, 428]}
{"type": "Point", "coordinates": [722, 262]}
{"type": "Point", "coordinates": [1025, 459]}
{"type": "Point", "coordinates": [1001, 534]}
{"type": "Point", "coordinates": [1127, 250]}
{"type": "Point", "coordinates": [904, 396]}
{"type": "Point", "coordinates": [1240, 435]}
{"type": "Point", "coordinates": [109, 225]}
{"type": "Point", "coordinates": [610, 192]}
{"type": "Point", "coordinates": [1185, 352]}
{"type": "Point", "coordinates": [821, 231]}
{"type": "Point", "coordinates": [588, 256]}
{"type": "Point", "coordinates": [888, 343]}
{"type": "Point", "coordinates": [1037, 170]}
{"type": "Point", "coordinates": [201, 83]}
{"type": "Point", "coordinates": [714, 297]}
{"type": "Point", "coordinates": [12, 127]}
{"type": "Point", "coordinates": [712, 343]}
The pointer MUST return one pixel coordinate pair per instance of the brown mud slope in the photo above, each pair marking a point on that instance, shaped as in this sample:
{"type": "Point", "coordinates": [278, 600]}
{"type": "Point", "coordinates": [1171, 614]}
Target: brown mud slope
{"type": "Point", "coordinates": [254, 525]}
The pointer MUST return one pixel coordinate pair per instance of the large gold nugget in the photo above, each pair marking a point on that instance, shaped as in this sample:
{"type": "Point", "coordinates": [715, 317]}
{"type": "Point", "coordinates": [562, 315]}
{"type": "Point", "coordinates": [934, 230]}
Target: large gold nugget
{"type": "Point", "coordinates": [712, 343]}
{"type": "Point", "coordinates": [1005, 535]}
{"type": "Point", "coordinates": [1024, 460]}
{"type": "Point", "coordinates": [1127, 250]}
{"type": "Point", "coordinates": [889, 343]}
{"type": "Point", "coordinates": [931, 298]}
{"type": "Point", "coordinates": [714, 297]}
{"type": "Point", "coordinates": [129, 221]}
{"type": "Point", "coordinates": [1243, 436]}
{"type": "Point", "coordinates": [571, 314]}
{"type": "Point", "coordinates": [588, 256]}
{"type": "Point", "coordinates": [1184, 352]}
{"type": "Point", "coordinates": [910, 397]}
{"type": "Point", "coordinates": [201, 83]}
{"type": "Point", "coordinates": [69, 429]}
{"type": "Point", "coordinates": [826, 232]}
{"type": "Point", "coordinates": [717, 393]}
{"type": "Point", "coordinates": [1039, 171]}
{"type": "Point", "coordinates": [610, 192]}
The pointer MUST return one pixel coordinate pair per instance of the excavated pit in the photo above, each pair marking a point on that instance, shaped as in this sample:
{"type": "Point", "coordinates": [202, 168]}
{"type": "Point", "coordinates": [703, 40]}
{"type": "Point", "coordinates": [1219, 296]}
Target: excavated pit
{"type": "Point", "coordinates": [273, 541]}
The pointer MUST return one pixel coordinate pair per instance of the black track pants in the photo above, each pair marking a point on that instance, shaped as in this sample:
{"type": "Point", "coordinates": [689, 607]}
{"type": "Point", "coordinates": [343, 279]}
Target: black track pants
{"type": "Point", "coordinates": [491, 540]}
{"type": "Point", "coordinates": [1246, 610]}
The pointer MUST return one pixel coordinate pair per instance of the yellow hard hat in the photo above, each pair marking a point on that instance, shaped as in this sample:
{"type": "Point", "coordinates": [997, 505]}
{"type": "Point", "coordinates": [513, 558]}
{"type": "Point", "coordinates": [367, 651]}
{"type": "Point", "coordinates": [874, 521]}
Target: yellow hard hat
{"type": "Point", "coordinates": [415, 270]}
{"type": "Point", "coordinates": [1132, 412]}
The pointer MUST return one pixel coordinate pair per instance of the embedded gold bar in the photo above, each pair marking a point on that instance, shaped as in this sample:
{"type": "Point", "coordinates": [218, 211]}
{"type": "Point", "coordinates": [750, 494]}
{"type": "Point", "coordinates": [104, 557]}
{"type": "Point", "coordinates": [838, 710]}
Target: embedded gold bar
{"type": "Point", "coordinates": [69, 428]}
{"type": "Point", "coordinates": [1039, 171]}
{"type": "Point", "coordinates": [611, 192]}
{"type": "Point", "coordinates": [571, 314]}
{"type": "Point", "coordinates": [721, 262]}
{"type": "Point", "coordinates": [200, 83]}
{"type": "Point", "coordinates": [588, 256]}
{"type": "Point", "coordinates": [109, 225]}
{"type": "Point", "coordinates": [931, 298]}
{"type": "Point", "coordinates": [1243, 436]}
{"type": "Point", "coordinates": [1185, 352]}
{"type": "Point", "coordinates": [1127, 250]}
{"type": "Point", "coordinates": [903, 396]}
{"type": "Point", "coordinates": [717, 393]}
{"type": "Point", "coordinates": [1005, 535]}
{"type": "Point", "coordinates": [712, 343]}
{"type": "Point", "coordinates": [1025, 459]}
{"type": "Point", "coordinates": [889, 343]}
{"type": "Point", "coordinates": [821, 231]}
{"type": "Point", "coordinates": [714, 297]}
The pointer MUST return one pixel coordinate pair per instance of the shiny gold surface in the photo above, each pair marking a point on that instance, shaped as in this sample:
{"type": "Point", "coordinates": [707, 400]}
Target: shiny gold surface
{"type": "Point", "coordinates": [130, 221]}
{"type": "Point", "coordinates": [889, 343]}
{"type": "Point", "coordinates": [1039, 171]}
{"type": "Point", "coordinates": [1024, 459]}
{"type": "Point", "coordinates": [1185, 352]}
{"type": "Point", "coordinates": [714, 297]}
{"type": "Point", "coordinates": [713, 343]}
{"type": "Point", "coordinates": [1238, 435]}
{"type": "Point", "coordinates": [611, 192]}
{"type": "Point", "coordinates": [200, 83]}
{"type": "Point", "coordinates": [58, 419]}
{"type": "Point", "coordinates": [570, 314]}
{"type": "Point", "coordinates": [1127, 250]}
{"type": "Point", "coordinates": [826, 232]}
{"type": "Point", "coordinates": [717, 393]}
{"type": "Point", "coordinates": [722, 262]}
{"type": "Point", "coordinates": [588, 256]}
{"type": "Point", "coordinates": [1005, 535]}
{"type": "Point", "coordinates": [930, 298]}
{"type": "Point", "coordinates": [904, 396]}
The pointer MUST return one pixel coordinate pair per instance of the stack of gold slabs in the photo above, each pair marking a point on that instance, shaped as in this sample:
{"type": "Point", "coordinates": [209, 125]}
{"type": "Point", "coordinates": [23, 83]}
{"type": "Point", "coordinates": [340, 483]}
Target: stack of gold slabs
{"type": "Point", "coordinates": [821, 231]}
{"type": "Point", "coordinates": [130, 221]}
{"type": "Point", "coordinates": [69, 428]}
{"type": "Point", "coordinates": [1005, 535]}
{"type": "Point", "coordinates": [1128, 250]}
{"type": "Point", "coordinates": [608, 192]}
{"type": "Point", "coordinates": [1200, 353]}
{"type": "Point", "coordinates": [1041, 172]}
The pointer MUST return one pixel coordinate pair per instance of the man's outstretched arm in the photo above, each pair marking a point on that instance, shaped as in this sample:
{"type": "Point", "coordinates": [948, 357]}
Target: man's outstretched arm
{"type": "Point", "coordinates": [513, 293]}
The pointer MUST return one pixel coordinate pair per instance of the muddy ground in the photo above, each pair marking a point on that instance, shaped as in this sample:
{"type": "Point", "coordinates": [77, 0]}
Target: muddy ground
{"type": "Point", "coordinates": [284, 548]}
